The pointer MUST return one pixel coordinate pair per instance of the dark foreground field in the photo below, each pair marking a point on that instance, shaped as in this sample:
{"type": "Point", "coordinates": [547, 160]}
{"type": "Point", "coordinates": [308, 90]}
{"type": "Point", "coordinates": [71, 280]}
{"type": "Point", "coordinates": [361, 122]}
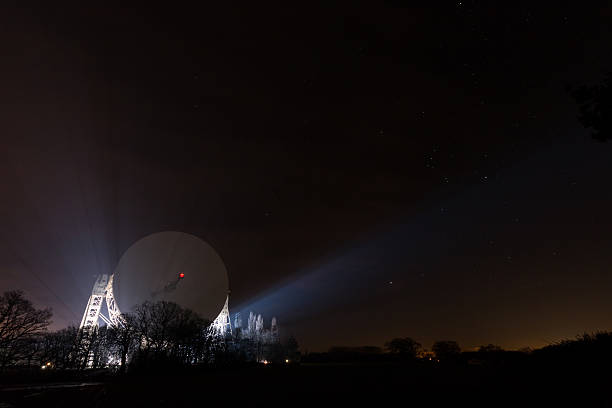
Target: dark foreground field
{"type": "Point", "coordinates": [341, 385]}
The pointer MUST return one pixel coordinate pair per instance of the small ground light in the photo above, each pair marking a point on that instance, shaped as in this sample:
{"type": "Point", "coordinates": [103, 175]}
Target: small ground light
{"type": "Point", "coordinates": [286, 360]}
{"type": "Point", "coordinates": [181, 275]}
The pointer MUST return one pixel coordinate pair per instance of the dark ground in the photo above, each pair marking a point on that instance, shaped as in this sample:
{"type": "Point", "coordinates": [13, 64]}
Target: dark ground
{"type": "Point", "coordinates": [338, 384]}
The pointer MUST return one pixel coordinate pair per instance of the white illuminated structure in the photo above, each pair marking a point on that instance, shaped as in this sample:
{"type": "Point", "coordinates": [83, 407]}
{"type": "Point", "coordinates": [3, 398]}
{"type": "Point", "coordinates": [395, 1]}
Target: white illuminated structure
{"type": "Point", "coordinates": [102, 292]}
{"type": "Point", "coordinates": [222, 325]}
{"type": "Point", "coordinates": [169, 266]}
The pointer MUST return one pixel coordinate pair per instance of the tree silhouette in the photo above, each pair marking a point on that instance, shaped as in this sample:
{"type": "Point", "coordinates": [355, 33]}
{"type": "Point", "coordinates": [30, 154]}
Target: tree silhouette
{"type": "Point", "coordinates": [95, 352]}
{"type": "Point", "coordinates": [59, 348]}
{"type": "Point", "coordinates": [20, 323]}
{"type": "Point", "coordinates": [168, 333]}
{"type": "Point", "coordinates": [446, 350]}
{"type": "Point", "coordinates": [158, 334]}
{"type": "Point", "coordinates": [595, 104]}
{"type": "Point", "coordinates": [292, 349]}
{"type": "Point", "coordinates": [404, 347]}
{"type": "Point", "coordinates": [490, 348]}
{"type": "Point", "coordinates": [122, 340]}
{"type": "Point", "coordinates": [71, 348]}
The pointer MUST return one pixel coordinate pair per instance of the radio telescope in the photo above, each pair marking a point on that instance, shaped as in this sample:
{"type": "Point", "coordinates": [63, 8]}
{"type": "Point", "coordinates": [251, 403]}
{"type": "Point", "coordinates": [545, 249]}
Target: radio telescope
{"type": "Point", "coordinates": [171, 266]}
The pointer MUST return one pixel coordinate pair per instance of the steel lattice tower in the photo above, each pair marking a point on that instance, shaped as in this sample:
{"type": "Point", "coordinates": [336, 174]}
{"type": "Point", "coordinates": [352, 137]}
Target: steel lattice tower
{"type": "Point", "coordinates": [102, 290]}
{"type": "Point", "coordinates": [222, 325]}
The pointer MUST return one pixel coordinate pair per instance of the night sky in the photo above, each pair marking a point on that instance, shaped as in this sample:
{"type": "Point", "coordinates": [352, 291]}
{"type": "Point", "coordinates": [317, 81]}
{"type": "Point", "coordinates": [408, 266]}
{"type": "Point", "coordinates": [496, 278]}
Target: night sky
{"type": "Point", "coordinates": [365, 172]}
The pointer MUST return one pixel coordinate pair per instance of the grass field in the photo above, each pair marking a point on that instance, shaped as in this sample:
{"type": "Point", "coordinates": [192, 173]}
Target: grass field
{"type": "Point", "coordinates": [313, 385]}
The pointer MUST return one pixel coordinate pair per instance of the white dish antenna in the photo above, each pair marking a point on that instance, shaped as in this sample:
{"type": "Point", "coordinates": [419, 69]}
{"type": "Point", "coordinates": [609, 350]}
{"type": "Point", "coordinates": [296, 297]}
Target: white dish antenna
{"type": "Point", "coordinates": [172, 266]}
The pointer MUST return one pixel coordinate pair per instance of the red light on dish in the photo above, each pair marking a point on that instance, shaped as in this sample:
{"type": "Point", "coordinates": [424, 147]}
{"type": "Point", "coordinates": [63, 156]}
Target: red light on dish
{"type": "Point", "coordinates": [181, 275]}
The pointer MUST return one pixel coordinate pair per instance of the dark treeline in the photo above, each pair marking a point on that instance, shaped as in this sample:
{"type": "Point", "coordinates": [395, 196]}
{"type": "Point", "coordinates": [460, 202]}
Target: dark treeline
{"type": "Point", "coordinates": [164, 335]}
{"type": "Point", "coordinates": [157, 335]}
{"type": "Point", "coordinates": [589, 351]}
